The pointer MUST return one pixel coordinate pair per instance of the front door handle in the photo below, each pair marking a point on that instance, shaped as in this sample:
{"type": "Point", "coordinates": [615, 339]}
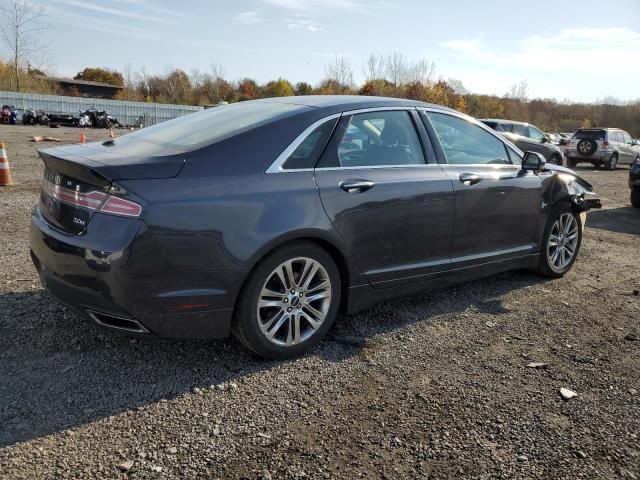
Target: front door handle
{"type": "Point", "coordinates": [356, 186]}
{"type": "Point", "coordinates": [470, 178]}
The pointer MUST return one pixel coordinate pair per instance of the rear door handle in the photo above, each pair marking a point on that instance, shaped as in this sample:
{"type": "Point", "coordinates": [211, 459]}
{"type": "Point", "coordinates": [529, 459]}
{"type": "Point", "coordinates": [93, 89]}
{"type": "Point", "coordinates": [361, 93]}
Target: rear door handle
{"type": "Point", "coordinates": [356, 186]}
{"type": "Point", "coordinates": [470, 178]}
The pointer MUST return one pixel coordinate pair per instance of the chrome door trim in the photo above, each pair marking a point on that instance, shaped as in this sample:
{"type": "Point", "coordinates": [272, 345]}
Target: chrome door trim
{"type": "Point", "coordinates": [276, 166]}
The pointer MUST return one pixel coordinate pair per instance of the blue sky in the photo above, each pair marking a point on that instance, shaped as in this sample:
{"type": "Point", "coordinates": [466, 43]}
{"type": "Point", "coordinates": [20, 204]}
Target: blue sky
{"type": "Point", "coordinates": [580, 50]}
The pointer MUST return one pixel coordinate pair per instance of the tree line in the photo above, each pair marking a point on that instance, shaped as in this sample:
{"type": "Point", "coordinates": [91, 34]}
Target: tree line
{"type": "Point", "coordinates": [392, 75]}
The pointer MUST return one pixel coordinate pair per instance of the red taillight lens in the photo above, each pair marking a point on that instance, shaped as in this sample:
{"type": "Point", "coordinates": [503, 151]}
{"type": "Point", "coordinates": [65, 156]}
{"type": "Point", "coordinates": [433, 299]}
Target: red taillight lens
{"type": "Point", "coordinates": [93, 200]}
{"type": "Point", "coordinates": [120, 206]}
{"type": "Point", "coordinates": [605, 145]}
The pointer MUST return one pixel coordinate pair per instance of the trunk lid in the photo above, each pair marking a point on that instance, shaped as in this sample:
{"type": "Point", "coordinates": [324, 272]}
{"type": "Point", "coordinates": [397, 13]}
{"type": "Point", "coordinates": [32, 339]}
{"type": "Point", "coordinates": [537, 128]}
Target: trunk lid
{"type": "Point", "coordinates": [78, 179]}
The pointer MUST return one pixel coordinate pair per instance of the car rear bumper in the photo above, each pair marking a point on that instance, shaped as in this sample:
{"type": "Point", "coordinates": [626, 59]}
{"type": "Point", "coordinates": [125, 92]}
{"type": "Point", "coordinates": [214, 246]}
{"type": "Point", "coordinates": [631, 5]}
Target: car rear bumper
{"type": "Point", "coordinates": [116, 275]}
{"type": "Point", "coordinates": [596, 157]}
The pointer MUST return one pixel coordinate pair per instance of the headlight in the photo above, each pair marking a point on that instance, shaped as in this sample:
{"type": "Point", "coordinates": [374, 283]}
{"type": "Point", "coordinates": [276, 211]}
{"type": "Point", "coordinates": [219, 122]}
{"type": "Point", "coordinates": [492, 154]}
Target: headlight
{"type": "Point", "coordinates": [573, 186]}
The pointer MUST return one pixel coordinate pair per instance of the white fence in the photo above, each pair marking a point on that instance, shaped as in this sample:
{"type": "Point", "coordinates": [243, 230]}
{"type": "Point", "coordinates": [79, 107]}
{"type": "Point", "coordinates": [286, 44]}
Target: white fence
{"type": "Point", "coordinates": [126, 112]}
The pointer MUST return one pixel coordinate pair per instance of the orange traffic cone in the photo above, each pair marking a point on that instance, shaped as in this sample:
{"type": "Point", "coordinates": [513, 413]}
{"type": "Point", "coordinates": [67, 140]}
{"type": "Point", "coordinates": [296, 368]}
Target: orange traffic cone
{"type": "Point", "coordinates": [83, 139]}
{"type": "Point", "coordinates": [5, 171]}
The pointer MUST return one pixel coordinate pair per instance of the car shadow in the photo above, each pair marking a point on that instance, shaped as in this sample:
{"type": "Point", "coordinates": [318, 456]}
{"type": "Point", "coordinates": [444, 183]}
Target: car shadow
{"type": "Point", "coordinates": [619, 220]}
{"type": "Point", "coordinates": [59, 371]}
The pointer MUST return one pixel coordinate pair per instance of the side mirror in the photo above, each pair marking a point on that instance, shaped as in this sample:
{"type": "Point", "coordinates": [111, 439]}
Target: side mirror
{"type": "Point", "coordinates": [545, 139]}
{"type": "Point", "coordinates": [533, 161]}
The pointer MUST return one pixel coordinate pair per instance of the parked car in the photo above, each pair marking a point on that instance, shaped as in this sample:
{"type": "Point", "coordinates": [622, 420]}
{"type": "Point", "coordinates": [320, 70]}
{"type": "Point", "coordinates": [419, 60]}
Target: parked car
{"type": "Point", "coordinates": [564, 138]}
{"type": "Point", "coordinates": [526, 137]}
{"type": "Point", "coordinates": [634, 182]}
{"type": "Point", "coordinates": [601, 147]}
{"type": "Point", "coordinates": [267, 218]}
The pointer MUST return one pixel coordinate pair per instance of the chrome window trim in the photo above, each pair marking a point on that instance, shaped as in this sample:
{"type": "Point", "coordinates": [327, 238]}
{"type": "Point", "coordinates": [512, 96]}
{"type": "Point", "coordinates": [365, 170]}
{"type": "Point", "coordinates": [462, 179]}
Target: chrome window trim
{"type": "Point", "coordinates": [373, 167]}
{"type": "Point", "coordinates": [476, 122]}
{"type": "Point", "coordinates": [276, 166]}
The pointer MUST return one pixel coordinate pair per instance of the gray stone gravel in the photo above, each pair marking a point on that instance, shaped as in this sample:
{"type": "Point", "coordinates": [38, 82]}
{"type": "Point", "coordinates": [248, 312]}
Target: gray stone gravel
{"type": "Point", "coordinates": [431, 386]}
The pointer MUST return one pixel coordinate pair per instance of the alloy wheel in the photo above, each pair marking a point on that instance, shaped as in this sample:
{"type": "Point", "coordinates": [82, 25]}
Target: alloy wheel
{"type": "Point", "coordinates": [563, 241]}
{"type": "Point", "coordinates": [294, 301]}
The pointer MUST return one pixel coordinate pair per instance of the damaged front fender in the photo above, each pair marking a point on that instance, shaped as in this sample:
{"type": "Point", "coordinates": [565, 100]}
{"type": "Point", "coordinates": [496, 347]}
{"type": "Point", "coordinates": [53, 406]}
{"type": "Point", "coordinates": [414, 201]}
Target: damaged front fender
{"type": "Point", "coordinates": [567, 186]}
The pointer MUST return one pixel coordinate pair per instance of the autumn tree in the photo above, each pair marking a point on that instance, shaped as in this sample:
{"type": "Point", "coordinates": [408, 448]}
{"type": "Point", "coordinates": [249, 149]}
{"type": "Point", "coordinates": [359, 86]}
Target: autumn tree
{"type": "Point", "coordinates": [102, 75]}
{"type": "Point", "coordinates": [278, 88]}
{"type": "Point", "coordinates": [247, 89]}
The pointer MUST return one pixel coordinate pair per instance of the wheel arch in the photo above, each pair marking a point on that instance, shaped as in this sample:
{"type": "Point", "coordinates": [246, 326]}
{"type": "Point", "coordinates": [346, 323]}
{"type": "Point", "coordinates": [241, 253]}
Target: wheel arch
{"type": "Point", "coordinates": [331, 243]}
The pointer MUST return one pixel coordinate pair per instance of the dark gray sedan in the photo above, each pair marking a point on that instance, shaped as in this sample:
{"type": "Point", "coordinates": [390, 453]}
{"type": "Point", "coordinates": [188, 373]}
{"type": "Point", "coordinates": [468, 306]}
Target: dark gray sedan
{"type": "Point", "coordinates": [268, 218]}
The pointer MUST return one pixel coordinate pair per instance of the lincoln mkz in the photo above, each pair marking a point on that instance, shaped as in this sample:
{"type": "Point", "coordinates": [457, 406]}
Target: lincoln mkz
{"type": "Point", "coordinates": [268, 218]}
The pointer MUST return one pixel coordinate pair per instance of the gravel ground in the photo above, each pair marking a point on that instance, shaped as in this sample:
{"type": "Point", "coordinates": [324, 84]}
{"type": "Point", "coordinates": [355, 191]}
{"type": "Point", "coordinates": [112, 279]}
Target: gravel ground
{"type": "Point", "coordinates": [431, 386]}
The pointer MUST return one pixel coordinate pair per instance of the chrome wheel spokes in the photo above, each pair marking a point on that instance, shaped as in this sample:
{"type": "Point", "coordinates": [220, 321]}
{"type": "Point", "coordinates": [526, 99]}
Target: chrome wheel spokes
{"type": "Point", "coordinates": [563, 241]}
{"type": "Point", "coordinates": [294, 301]}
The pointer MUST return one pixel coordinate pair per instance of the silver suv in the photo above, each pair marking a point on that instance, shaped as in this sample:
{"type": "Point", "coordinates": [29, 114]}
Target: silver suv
{"type": "Point", "coordinates": [601, 146]}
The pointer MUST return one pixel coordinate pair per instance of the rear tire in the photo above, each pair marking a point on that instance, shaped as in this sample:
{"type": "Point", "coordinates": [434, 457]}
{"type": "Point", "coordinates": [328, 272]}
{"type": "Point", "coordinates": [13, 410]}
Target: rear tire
{"type": "Point", "coordinates": [613, 162]}
{"type": "Point", "coordinates": [571, 163]}
{"type": "Point", "coordinates": [560, 243]}
{"type": "Point", "coordinates": [289, 301]}
{"type": "Point", "coordinates": [635, 198]}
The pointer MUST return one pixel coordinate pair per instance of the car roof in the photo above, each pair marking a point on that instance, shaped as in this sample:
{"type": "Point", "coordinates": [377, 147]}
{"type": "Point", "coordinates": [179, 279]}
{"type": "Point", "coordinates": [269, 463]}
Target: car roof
{"type": "Point", "coordinates": [352, 102]}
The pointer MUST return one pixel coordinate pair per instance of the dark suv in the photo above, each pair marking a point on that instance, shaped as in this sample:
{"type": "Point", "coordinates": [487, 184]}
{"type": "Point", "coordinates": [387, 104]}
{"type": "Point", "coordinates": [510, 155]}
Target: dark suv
{"type": "Point", "coordinates": [526, 137]}
{"type": "Point", "coordinates": [601, 146]}
{"type": "Point", "coordinates": [634, 182]}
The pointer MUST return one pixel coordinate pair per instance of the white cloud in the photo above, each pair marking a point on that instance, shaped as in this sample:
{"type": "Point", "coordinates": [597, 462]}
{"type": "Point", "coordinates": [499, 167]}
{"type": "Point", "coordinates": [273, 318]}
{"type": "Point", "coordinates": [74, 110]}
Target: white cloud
{"type": "Point", "coordinates": [113, 11]}
{"type": "Point", "coordinates": [583, 50]}
{"type": "Point", "coordinates": [314, 5]}
{"type": "Point", "coordinates": [249, 18]}
{"type": "Point", "coordinates": [306, 25]}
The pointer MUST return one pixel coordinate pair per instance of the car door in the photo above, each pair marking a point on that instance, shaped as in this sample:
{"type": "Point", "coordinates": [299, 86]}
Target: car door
{"type": "Point", "coordinates": [387, 197]}
{"type": "Point", "coordinates": [497, 204]}
{"type": "Point", "coordinates": [626, 146]}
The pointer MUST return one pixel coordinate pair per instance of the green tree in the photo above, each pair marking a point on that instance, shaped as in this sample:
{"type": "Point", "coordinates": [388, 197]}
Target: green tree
{"type": "Point", "coordinates": [303, 88]}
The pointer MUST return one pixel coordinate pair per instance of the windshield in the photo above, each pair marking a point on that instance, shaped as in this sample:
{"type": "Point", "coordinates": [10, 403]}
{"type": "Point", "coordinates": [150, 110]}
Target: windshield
{"type": "Point", "coordinates": [212, 125]}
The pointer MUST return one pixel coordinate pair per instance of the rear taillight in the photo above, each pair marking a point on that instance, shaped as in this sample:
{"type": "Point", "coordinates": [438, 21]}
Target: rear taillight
{"type": "Point", "coordinates": [605, 145]}
{"type": "Point", "coordinates": [94, 200]}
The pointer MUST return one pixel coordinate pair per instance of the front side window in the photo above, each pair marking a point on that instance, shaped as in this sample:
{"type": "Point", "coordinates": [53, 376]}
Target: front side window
{"type": "Point", "coordinates": [466, 143]}
{"type": "Point", "coordinates": [379, 139]}
{"type": "Point", "coordinates": [627, 137]}
{"type": "Point", "coordinates": [535, 134]}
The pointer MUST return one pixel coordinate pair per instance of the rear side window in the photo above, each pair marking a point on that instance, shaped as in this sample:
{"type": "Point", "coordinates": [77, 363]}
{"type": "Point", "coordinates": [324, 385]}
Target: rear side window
{"type": "Point", "coordinates": [306, 154]}
{"type": "Point", "coordinates": [380, 139]}
{"type": "Point", "coordinates": [466, 143]}
{"type": "Point", "coordinates": [209, 126]}
{"type": "Point", "coordinates": [589, 135]}
{"type": "Point", "coordinates": [519, 129]}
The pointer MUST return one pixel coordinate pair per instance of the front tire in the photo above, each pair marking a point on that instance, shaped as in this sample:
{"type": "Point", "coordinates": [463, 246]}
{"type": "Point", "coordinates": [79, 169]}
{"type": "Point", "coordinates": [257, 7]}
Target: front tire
{"type": "Point", "coordinates": [289, 301]}
{"type": "Point", "coordinates": [635, 198]}
{"type": "Point", "coordinates": [560, 243]}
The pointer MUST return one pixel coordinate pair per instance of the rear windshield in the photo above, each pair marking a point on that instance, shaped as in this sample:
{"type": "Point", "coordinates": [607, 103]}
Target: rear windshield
{"type": "Point", "coordinates": [209, 126]}
{"type": "Point", "coordinates": [589, 134]}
